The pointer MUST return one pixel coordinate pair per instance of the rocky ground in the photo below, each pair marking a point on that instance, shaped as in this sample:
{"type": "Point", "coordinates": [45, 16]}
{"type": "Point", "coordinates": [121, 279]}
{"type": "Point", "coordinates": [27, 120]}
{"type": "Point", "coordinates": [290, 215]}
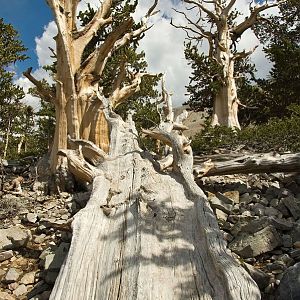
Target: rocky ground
{"type": "Point", "coordinates": [259, 215]}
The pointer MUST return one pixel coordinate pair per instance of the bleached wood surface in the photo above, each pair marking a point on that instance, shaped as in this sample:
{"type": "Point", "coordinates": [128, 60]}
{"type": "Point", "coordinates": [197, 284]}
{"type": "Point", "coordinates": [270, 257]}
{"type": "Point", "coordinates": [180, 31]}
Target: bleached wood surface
{"type": "Point", "coordinates": [148, 235]}
{"type": "Point", "coordinates": [254, 163]}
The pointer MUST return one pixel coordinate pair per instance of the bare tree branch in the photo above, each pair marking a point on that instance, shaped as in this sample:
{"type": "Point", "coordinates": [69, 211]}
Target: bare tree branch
{"type": "Point", "coordinates": [199, 4]}
{"type": "Point", "coordinates": [238, 30]}
{"type": "Point", "coordinates": [46, 94]}
{"type": "Point", "coordinates": [100, 19]}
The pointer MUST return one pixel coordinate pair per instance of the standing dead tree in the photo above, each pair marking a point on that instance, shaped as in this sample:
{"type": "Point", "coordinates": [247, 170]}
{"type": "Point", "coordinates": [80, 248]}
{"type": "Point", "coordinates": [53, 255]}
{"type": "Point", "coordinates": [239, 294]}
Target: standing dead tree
{"type": "Point", "coordinates": [214, 21]}
{"type": "Point", "coordinates": [79, 95]}
{"type": "Point", "coordinates": [145, 233]}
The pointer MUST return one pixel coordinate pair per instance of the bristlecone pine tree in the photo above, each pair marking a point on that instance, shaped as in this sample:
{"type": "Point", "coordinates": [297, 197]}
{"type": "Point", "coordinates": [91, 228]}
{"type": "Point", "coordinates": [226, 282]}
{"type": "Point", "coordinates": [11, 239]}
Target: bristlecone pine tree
{"type": "Point", "coordinates": [215, 22]}
{"type": "Point", "coordinates": [145, 233]}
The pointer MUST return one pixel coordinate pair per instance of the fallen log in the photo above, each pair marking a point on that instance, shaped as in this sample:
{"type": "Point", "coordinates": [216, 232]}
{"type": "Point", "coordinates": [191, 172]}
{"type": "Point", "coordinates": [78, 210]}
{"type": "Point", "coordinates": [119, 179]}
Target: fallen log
{"type": "Point", "coordinates": [245, 164]}
{"type": "Point", "coordinates": [147, 233]}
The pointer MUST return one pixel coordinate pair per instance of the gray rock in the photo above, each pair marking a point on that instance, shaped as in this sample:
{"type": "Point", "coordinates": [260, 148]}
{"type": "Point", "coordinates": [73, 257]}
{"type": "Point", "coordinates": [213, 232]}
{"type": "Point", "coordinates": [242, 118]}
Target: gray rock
{"type": "Point", "coordinates": [260, 242]}
{"type": "Point", "coordinates": [38, 289]}
{"type": "Point", "coordinates": [281, 224]}
{"type": "Point", "coordinates": [282, 208]}
{"type": "Point", "coordinates": [31, 218]}
{"type": "Point", "coordinates": [28, 278]}
{"type": "Point", "coordinates": [39, 239]}
{"type": "Point", "coordinates": [12, 275]}
{"type": "Point", "coordinates": [274, 203]}
{"type": "Point", "coordinates": [221, 202]}
{"type": "Point", "coordinates": [261, 278]}
{"type": "Point", "coordinates": [6, 255]}
{"type": "Point", "coordinates": [13, 238]}
{"type": "Point", "coordinates": [295, 233]}
{"type": "Point", "coordinates": [245, 198]}
{"type": "Point", "coordinates": [287, 241]}
{"type": "Point", "coordinates": [288, 261]}
{"type": "Point", "coordinates": [6, 296]}
{"type": "Point", "coordinates": [255, 197]}
{"type": "Point", "coordinates": [293, 205]}
{"type": "Point", "coordinates": [53, 262]}
{"type": "Point", "coordinates": [271, 212]}
{"type": "Point", "coordinates": [256, 225]}
{"type": "Point", "coordinates": [295, 254]}
{"type": "Point", "coordinates": [289, 287]}
{"type": "Point", "coordinates": [259, 209]}
{"type": "Point", "coordinates": [221, 216]}
{"type": "Point", "coordinates": [20, 290]}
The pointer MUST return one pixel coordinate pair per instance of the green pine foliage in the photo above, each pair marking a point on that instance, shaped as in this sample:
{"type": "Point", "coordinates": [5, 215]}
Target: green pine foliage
{"type": "Point", "coordinates": [12, 112]}
{"type": "Point", "coordinates": [278, 134]}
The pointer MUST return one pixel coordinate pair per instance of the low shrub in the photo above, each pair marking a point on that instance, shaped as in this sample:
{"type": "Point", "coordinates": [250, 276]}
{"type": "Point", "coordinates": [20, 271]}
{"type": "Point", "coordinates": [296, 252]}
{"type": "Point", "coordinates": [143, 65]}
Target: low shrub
{"type": "Point", "coordinates": [280, 135]}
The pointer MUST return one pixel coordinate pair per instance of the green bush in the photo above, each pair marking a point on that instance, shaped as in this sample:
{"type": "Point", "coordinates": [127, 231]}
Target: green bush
{"type": "Point", "coordinates": [280, 135]}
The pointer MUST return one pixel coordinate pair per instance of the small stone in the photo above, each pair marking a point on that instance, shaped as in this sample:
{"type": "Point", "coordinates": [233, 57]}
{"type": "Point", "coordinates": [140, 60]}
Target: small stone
{"type": "Point", "coordinates": [31, 218]}
{"type": "Point", "coordinates": [261, 278]}
{"type": "Point", "coordinates": [295, 254]}
{"type": "Point", "coordinates": [258, 209]}
{"type": "Point", "coordinates": [264, 201]}
{"type": "Point", "coordinates": [13, 286]}
{"type": "Point", "coordinates": [221, 202]}
{"type": "Point", "coordinates": [286, 259]}
{"type": "Point", "coordinates": [6, 255]}
{"type": "Point", "coordinates": [234, 196]}
{"type": "Point", "coordinates": [221, 215]}
{"type": "Point", "coordinates": [39, 239]}
{"type": "Point", "coordinates": [11, 276]}
{"type": "Point", "coordinates": [287, 241]}
{"type": "Point", "coordinates": [274, 203]}
{"type": "Point", "coordinates": [297, 245]}
{"type": "Point", "coordinates": [255, 198]}
{"type": "Point", "coordinates": [282, 208]}
{"type": "Point", "coordinates": [6, 296]}
{"type": "Point", "coordinates": [20, 290]}
{"type": "Point", "coordinates": [245, 198]}
{"type": "Point", "coordinates": [271, 212]}
{"type": "Point", "coordinates": [28, 278]}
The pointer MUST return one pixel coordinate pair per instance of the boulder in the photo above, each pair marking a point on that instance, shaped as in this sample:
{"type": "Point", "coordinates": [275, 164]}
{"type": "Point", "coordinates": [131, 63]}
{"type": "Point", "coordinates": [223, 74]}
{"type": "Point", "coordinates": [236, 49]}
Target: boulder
{"type": "Point", "coordinates": [289, 287]}
{"type": "Point", "coordinates": [260, 242]}
{"type": "Point", "coordinates": [293, 205]}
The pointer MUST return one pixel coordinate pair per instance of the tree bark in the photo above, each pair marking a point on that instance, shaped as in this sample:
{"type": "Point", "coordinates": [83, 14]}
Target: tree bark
{"type": "Point", "coordinates": [148, 235]}
{"type": "Point", "coordinates": [222, 36]}
{"type": "Point", "coordinates": [255, 163]}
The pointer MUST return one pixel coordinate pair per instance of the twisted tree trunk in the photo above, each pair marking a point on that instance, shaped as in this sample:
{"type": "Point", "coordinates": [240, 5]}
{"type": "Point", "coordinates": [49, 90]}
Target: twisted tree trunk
{"type": "Point", "coordinates": [147, 234]}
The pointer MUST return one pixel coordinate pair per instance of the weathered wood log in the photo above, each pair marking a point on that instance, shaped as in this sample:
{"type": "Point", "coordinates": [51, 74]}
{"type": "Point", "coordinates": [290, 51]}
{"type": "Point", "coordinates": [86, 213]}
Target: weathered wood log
{"type": "Point", "coordinates": [255, 163]}
{"type": "Point", "coordinates": [148, 235]}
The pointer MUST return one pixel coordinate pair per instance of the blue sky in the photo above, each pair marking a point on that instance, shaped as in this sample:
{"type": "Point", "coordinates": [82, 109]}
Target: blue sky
{"type": "Point", "coordinates": [29, 18]}
{"type": "Point", "coordinates": [163, 44]}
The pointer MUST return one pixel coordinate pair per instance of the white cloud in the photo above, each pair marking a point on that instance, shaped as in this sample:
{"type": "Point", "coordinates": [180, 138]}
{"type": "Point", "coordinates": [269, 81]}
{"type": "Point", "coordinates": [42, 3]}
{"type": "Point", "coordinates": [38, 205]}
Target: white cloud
{"type": "Point", "coordinates": [44, 42]}
{"type": "Point", "coordinates": [26, 85]}
{"type": "Point", "coordinates": [163, 46]}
